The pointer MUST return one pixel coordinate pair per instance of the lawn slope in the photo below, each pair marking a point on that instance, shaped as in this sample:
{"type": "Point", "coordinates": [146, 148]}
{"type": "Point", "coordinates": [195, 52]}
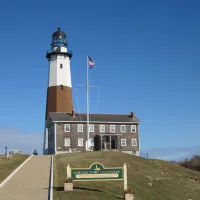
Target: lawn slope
{"type": "Point", "coordinates": [151, 179]}
{"type": "Point", "coordinates": [8, 166]}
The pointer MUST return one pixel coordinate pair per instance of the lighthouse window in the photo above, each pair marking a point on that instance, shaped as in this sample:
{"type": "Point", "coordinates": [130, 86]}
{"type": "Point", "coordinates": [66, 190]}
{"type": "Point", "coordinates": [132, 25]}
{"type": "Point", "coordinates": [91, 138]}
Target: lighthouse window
{"type": "Point", "coordinates": [61, 87]}
{"type": "Point", "coordinates": [61, 66]}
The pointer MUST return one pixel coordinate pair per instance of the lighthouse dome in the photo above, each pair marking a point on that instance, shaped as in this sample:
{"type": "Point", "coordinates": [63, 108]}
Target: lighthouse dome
{"type": "Point", "coordinates": [59, 32]}
{"type": "Point", "coordinates": [59, 39]}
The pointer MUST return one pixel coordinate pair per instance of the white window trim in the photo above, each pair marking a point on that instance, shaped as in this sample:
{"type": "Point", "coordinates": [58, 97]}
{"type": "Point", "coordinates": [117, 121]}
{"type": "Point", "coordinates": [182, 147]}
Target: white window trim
{"type": "Point", "coordinates": [111, 128]}
{"type": "Point", "coordinates": [69, 142]}
{"type": "Point", "coordinates": [121, 128]}
{"type": "Point", "coordinates": [65, 127]}
{"type": "Point", "coordinates": [80, 145]}
{"type": "Point", "coordinates": [91, 125]}
{"type": "Point", "coordinates": [125, 142]}
{"type": "Point", "coordinates": [80, 130]}
{"type": "Point", "coordinates": [100, 130]}
{"type": "Point", "coordinates": [132, 142]}
{"type": "Point", "coordinates": [134, 128]}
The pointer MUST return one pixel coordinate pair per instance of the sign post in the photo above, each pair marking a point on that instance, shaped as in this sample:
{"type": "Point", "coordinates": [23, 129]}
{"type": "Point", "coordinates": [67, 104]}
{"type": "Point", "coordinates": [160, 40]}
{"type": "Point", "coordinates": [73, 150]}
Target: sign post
{"type": "Point", "coordinates": [125, 177]}
{"type": "Point", "coordinates": [68, 171]}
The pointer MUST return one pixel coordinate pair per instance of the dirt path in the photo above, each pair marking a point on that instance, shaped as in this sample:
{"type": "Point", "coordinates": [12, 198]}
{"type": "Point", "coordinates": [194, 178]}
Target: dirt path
{"type": "Point", "coordinates": [31, 182]}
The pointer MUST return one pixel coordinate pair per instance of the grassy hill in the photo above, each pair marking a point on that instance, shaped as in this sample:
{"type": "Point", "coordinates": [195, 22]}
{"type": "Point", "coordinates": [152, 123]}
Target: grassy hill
{"type": "Point", "coordinates": [151, 179]}
{"type": "Point", "coordinates": [8, 166]}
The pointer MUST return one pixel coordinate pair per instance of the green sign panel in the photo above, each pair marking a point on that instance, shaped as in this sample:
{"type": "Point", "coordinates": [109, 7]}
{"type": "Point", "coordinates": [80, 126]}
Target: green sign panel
{"type": "Point", "coordinates": [96, 172]}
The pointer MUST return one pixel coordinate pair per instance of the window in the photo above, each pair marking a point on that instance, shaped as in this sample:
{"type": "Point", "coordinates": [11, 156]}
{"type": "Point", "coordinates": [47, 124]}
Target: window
{"type": "Point", "coordinates": [91, 128]}
{"type": "Point", "coordinates": [102, 128]}
{"type": "Point", "coordinates": [123, 142]}
{"type": "Point", "coordinates": [67, 142]}
{"type": "Point", "coordinates": [123, 128]}
{"type": "Point", "coordinates": [67, 127]}
{"type": "Point", "coordinates": [80, 127]}
{"type": "Point", "coordinates": [61, 87]}
{"type": "Point", "coordinates": [61, 66]}
{"type": "Point", "coordinates": [134, 142]}
{"type": "Point", "coordinates": [80, 142]}
{"type": "Point", "coordinates": [133, 128]}
{"type": "Point", "coordinates": [112, 128]}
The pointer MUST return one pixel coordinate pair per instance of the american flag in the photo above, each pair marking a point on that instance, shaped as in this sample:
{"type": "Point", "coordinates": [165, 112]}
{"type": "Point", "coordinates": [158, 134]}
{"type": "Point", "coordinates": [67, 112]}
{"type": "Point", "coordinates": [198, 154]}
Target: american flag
{"type": "Point", "coordinates": [91, 62]}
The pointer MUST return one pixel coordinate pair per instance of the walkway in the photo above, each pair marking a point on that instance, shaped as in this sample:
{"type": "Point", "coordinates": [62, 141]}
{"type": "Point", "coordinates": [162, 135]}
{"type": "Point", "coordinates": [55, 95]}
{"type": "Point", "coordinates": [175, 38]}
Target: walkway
{"type": "Point", "coordinates": [31, 182]}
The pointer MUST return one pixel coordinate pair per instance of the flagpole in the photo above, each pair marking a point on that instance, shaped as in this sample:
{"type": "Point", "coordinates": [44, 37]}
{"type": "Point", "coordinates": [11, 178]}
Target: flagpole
{"type": "Point", "coordinates": [87, 105]}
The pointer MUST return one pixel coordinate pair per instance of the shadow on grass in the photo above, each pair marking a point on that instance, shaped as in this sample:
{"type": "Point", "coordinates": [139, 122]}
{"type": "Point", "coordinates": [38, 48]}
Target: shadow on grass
{"type": "Point", "coordinates": [88, 189]}
{"type": "Point", "coordinates": [4, 158]}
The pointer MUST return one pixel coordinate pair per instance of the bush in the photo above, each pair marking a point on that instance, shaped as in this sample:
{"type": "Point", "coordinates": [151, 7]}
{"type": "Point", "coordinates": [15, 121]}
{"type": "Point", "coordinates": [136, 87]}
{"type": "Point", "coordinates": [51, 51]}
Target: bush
{"type": "Point", "coordinates": [193, 163]}
{"type": "Point", "coordinates": [129, 191]}
{"type": "Point", "coordinates": [69, 180]}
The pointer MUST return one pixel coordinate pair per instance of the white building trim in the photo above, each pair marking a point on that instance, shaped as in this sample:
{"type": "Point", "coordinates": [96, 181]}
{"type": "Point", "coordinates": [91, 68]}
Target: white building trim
{"type": "Point", "coordinates": [97, 122]}
{"type": "Point", "coordinates": [139, 141]}
{"type": "Point", "coordinates": [111, 134]}
{"type": "Point", "coordinates": [51, 183]}
{"type": "Point", "coordinates": [55, 149]}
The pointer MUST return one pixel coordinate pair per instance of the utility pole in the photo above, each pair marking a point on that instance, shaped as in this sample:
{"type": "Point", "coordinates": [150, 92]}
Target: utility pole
{"type": "Point", "coordinates": [6, 150]}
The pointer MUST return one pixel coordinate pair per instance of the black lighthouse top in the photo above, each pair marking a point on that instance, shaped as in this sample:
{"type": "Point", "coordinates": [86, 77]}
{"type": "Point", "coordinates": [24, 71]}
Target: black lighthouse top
{"type": "Point", "coordinates": [59, 39]}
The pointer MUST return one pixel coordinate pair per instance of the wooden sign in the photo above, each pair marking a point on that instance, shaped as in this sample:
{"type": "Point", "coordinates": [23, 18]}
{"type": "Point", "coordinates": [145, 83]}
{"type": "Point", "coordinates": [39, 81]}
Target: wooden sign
{"type": "Point", "coordinates": [97, 172]}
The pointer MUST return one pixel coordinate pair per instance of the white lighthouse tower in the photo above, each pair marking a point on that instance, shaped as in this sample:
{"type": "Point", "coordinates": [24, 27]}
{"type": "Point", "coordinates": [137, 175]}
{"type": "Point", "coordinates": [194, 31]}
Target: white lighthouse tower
{"type": "Point", "coordinates": [59, 92]}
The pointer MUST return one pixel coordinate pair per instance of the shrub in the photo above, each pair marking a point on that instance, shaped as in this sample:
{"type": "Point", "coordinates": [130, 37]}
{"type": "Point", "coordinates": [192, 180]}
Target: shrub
{"type": "Point", "coordinates": [129, 191]}
{"type": "Point", "coordinates": [69, 180]}
{"type": "Point", "coordinates": [193, 163]}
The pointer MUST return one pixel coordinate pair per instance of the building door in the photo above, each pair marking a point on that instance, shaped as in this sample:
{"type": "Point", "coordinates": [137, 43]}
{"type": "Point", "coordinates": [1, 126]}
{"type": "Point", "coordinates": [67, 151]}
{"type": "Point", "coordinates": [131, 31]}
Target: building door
{"type": "Point", "coordinates": [113, 142]}
{"type": "Point", "coordinates": [97, 143]}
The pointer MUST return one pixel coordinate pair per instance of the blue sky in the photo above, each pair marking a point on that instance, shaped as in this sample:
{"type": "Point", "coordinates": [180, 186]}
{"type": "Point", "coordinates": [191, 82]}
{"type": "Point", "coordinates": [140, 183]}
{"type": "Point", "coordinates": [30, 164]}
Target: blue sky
{"type": "Point", "coordinates": [146, 55]}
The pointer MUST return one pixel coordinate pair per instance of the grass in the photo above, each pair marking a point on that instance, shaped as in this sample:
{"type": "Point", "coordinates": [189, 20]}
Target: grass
{"type": "Point", "coordinates": [174, 183]}
{"type": "Point", "coordinates": [8, 166]}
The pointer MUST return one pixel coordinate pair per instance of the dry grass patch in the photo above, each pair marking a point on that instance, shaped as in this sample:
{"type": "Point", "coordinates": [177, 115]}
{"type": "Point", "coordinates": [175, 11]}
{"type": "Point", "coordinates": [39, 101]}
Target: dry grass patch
{"type": "Point", "coordinates": [8, 166]}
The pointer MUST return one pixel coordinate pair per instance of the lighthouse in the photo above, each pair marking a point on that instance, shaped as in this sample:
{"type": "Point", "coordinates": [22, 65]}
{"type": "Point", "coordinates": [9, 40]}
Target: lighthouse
{"type": "Point", "coordinates": [59, 92]}
{"type": "Point", "coordinates": [59, 89]}
{"type": "Point", "coordinates": [67, 131]}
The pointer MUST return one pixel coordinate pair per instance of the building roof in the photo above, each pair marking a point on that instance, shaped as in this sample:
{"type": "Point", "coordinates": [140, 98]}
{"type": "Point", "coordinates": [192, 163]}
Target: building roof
{"type": "Point", "coordinates": [82, 117]}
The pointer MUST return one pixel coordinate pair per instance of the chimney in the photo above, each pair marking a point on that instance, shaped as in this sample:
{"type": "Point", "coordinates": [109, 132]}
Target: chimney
{"type": "Point", "coordinates": [132, 114]}
{"type": "Point", "coordinates": [73, 113]}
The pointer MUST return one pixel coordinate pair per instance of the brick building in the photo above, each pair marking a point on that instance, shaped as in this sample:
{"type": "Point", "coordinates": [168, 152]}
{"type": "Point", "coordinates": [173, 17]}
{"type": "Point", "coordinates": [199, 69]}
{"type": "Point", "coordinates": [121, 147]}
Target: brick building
{"type": "Point", "coordinates": [65, 130]}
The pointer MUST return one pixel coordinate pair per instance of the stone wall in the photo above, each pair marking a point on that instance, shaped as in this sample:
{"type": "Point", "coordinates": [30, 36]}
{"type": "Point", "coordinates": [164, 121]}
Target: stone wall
{"type": "Point", "coordinates": [51, 143]}
{"type": "Point", "coordinates": [74, 135]}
